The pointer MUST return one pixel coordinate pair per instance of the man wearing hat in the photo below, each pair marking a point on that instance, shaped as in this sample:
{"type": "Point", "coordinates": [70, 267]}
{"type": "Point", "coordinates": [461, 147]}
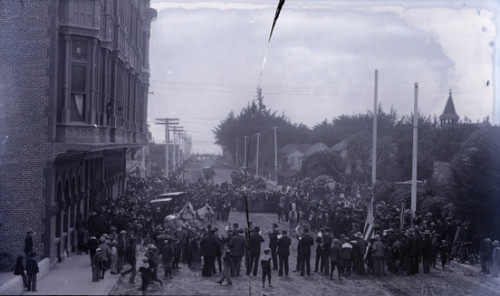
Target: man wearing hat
{"type": "Point", "coordinates": [121, 246]}
{"type": "Point", "coordinates": [28, 243]}
{"type": "Point", "coordinates": [359, 253]}
{"type": "Point", "coordinates": [92, 245]}
{"type": "Point", "coordinates": [283, 251]}
{"type": "Point", "coordinates": [305, 243]}
{"type": "Point", "coordinates": [410, 251]}
{"type": "Point", "coordinates": [427, 251]}
{"type": "Point", "coordinates": [31, 271]}
{"type": "Point", "coordinates": [105, 254]}
{"type": "Point", "coordinates": [273, 244]}
{"type": "Point", "coordinates": [254, 247]}
{"type": "Point", "coordinates": [495, 263]}
{"type": "Point", "coordinates": [208, 247]}
{"type": "Point", "coordinates": [167, 256]}
{"type": "Point", "coordinates": [378, 249]}
{"type": "Point", "coordinates": [129, 257]}
{"type": "Point", "coordinates": [237, 246]}
{"type": "Point", "coordinates": [319, 251]}
{"type": "Point", "coordinates": [325, 250]}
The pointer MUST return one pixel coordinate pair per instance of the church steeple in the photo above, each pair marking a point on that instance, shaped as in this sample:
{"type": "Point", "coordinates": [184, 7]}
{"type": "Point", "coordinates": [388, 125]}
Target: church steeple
{"type": "Point", "coordinates": [449, 115]}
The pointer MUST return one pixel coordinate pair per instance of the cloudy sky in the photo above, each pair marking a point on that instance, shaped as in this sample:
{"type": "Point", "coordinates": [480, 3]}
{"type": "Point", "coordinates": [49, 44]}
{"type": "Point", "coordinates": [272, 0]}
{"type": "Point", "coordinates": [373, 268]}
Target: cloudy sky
{"type": "Point", "coordinates": [206, 58]}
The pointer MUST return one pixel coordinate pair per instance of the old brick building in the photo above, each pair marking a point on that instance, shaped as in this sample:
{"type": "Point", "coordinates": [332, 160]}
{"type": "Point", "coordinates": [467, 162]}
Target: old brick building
{"type": "Point", "coordinates": [73, 100]}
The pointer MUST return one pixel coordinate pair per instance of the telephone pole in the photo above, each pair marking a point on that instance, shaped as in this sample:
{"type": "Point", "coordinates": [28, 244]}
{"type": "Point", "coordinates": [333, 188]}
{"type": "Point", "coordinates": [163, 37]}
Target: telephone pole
{"type": "Point", "coordinates": [175, 131]}
{"type": "Point", "coordinates": [167, 122]}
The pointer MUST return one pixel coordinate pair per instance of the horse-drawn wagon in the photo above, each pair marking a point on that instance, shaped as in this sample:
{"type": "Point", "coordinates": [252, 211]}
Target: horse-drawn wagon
{"type": "Point", "coordinates": [187, 216]}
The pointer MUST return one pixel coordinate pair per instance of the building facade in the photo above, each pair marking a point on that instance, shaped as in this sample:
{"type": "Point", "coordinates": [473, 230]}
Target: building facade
{"type": "Point", "coordinates": [73, 101]}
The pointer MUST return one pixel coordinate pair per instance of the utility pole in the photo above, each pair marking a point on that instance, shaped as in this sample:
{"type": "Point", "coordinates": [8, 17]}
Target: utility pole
{"type": "Point", "coordinates": [167, 122]}
{"type": "Point", "coordinates": [175, 130]}
{"type": "Point", "coordinates": [275, 153]}
{"type": "Point", "coordinates": [414, 158]}
{"type": "Point", "coordinates": [257, 161]}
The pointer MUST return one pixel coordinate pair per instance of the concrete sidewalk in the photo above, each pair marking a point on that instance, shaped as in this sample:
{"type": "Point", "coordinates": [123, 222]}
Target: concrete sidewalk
{"type": "Point", "coordinates": [74, 277]}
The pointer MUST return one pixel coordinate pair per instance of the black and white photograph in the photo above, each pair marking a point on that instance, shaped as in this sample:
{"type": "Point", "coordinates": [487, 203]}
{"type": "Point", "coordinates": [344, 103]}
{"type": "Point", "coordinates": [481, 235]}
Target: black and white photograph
{"type": "Point", "coordinates": [250, 147]}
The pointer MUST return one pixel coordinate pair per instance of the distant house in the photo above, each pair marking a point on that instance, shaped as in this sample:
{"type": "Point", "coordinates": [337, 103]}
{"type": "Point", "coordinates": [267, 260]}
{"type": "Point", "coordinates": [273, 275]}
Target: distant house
{"type": "Point", "coordinates": [292, 155]}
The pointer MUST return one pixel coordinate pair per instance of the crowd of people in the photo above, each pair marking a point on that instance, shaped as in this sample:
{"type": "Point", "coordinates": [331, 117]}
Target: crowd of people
{"type": "Point", "coordinates": [321, 224]}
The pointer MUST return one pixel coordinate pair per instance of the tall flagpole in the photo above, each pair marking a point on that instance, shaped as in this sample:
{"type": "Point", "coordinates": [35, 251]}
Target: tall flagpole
{"type": "Point", "coordinates": [414, 158]}
{"type": "Point", "coordinates": [370, 220]}
{"type": "Point", "coordinates": [374, 146]}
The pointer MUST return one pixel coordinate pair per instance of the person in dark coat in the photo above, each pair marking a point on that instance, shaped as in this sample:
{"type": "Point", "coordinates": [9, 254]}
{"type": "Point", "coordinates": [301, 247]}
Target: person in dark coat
{"type": "Point", "coordinates": [444, 250]}
{"type": "Point", "coordinates": [325, 252]}
{"type": "Point", "coordinates": [167, 256]}
{"type": "Point", "coordinates": [283, 251]}
{"type": "Point", "coordinates": [254, 247]}
{"type": "Point", "coordinates": [411, 253]}
{"type": "Point", "coordinates": [92, 245]}
{"type": "Point", "coordinates": [31, 271]}
{"type": "Point", "coordinates": [19, 270]}
{"type": "Point", "coordinates": [97, 265]}
{"type": "Point", "coordinates": [273, 244]}
{"type": "Point", "coordinates": [427, 251]}
{"type": "Point", "coordinates": [237, 245]}
{"type": "Point", "coordinates": [359, 261]}
{"type": "Point", "coordinates": [335, 258]}
{"type": "Point", "coordinates": [306, 241]}
{"type": "Point", "coordinates": [319, 251]}
{"type": "Point", "coordinates": [378, 256]}
{"type": "Point", "coordinates": [129, 258]}
{"type": "Point", "coordinates": [121, 247]}
{"type": "Point", "coordinates": [146, 275]}
{"type": "Point", "coordinates": [485, 255]}
{"type": "Point", "coordinates": [208, 246]}
{"type": "Point", "coordinates": [28, 243]}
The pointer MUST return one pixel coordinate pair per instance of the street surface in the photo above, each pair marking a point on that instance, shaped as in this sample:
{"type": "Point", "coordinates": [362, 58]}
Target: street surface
{"type": "Point", "coordinates": [194, 170]}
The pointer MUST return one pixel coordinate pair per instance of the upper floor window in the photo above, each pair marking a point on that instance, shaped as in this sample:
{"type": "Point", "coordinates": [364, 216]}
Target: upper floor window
{"type": "Point", "coordinates": [79, 49]}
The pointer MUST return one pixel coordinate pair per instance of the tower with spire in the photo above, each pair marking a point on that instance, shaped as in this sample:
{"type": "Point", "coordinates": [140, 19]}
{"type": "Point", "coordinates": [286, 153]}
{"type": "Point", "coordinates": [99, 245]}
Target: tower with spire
{"type": "Point", "coordinates": [449, 116]}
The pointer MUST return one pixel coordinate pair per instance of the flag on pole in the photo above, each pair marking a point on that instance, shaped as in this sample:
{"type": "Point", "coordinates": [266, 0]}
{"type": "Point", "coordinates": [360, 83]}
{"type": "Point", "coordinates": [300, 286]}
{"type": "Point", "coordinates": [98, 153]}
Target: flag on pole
{"type": "Point", "coordinates": [368, 231]}
{"type": "Point", "coordinates": [402, 216]}
{"type": "Point", "coordinates": [278, 10]}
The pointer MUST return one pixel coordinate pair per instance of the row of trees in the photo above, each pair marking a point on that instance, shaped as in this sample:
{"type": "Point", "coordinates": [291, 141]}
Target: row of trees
{"type": "Point", "coordinates": [468, 155]}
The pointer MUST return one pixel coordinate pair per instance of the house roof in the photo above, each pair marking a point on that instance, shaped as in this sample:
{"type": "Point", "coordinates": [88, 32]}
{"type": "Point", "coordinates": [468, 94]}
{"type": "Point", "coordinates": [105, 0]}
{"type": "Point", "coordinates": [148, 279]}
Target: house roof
{"type": "Point", "coordinates": [449, 110]}
{"type": "Point", "coordinates": [295, 147]}
{"type": "Point", "coordinates": [339, 147]}
{"type": "Point", "coordinates": [315, 148]}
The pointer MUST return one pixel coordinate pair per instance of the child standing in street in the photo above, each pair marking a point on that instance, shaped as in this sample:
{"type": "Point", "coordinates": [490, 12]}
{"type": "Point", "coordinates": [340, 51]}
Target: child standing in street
{"type": "Point", "coordinates": [31, 271]}
{"type": "Point", "coordinates": [265, 263]}
{"type": "Point", "coordinates": [114, 257]}
{"type": "Point", "coordinates": [96, 265]}
{"type": "Point", "coordinates": [443, 249]}
{"type": "Point", "coordinates": [226, 270]}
